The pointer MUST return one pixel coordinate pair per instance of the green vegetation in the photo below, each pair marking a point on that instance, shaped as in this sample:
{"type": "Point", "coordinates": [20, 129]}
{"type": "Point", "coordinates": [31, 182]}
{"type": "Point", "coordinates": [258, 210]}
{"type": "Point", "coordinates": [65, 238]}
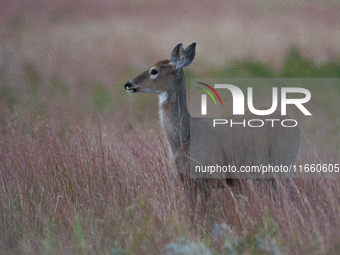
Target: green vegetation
{"type": "Point", "coordinates": [295, 66]}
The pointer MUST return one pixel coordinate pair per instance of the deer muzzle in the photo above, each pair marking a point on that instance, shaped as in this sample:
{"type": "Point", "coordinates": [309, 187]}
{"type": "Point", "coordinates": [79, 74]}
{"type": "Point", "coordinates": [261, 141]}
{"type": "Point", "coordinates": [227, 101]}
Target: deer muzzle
{"type": "Point", "coordinates": [130, 87]}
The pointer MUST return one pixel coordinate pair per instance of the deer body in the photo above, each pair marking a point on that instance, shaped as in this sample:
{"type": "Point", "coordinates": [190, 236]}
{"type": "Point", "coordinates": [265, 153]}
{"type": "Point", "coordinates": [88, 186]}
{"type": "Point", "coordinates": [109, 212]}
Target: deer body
{"type": "Point", "coordinates": [234, 146]}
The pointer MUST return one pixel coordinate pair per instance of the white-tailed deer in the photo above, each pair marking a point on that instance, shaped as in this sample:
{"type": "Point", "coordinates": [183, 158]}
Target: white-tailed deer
{"type": "Point", "coordinates": [236, 146]}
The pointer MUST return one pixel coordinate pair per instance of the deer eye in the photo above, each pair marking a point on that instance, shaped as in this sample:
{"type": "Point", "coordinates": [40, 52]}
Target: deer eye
{"type": "Point", "coordinates": [154, 71]}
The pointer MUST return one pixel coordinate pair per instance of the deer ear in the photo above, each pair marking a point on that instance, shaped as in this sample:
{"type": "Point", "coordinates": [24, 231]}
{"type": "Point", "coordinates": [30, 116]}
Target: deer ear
{"type": "Point", "coordinates": [190, 52]}
{"type": "Point", "coordinates": [178, 56]}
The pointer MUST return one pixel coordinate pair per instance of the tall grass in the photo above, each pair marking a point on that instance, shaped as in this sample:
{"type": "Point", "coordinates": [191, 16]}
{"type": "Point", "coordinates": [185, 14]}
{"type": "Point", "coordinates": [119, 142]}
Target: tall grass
{"type": "Point", "coordinates": [83, 193]}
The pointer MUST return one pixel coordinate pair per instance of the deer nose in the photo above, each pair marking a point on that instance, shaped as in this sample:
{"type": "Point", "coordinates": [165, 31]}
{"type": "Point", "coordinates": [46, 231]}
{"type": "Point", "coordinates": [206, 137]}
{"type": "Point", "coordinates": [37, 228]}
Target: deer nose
{"type": "Point", "coordinates": [127, 85]}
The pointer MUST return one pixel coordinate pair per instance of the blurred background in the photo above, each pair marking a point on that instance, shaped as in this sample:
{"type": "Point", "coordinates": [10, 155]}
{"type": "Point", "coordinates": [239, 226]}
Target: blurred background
{"type": "Point", "coordinates": [68, 60]}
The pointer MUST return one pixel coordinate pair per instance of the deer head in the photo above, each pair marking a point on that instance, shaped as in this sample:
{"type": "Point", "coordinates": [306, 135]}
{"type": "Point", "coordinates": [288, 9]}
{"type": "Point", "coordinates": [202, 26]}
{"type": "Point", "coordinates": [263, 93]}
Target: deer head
{"type": "Point", "coordinates": [161, 75]}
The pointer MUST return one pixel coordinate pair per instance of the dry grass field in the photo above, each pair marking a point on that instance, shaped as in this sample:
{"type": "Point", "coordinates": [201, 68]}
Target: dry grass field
{"type": "Point", "coordinates": [84, 167]}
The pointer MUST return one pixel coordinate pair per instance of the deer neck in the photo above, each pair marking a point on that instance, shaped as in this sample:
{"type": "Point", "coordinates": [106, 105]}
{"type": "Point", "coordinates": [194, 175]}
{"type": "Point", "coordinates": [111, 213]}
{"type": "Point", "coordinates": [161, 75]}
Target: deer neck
{"type": "Point", "coordinates": [174, 115]}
